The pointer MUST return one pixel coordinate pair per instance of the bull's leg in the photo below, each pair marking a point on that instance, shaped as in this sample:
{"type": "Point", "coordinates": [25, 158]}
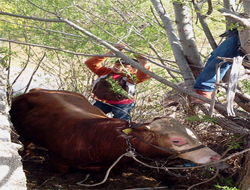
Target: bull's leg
{"type": "Point", "coordinates": [57, 164]}
{"type": "Point", "coordinates": [26, 148]}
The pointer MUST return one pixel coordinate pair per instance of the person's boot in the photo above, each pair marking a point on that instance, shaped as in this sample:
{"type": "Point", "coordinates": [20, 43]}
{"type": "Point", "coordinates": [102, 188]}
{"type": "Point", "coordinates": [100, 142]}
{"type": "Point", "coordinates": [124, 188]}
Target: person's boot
{"type": "Point", "coordinates": [203, 93]}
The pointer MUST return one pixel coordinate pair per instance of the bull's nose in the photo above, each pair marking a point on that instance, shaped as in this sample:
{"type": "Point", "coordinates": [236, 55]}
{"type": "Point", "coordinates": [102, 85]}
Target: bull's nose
{"type": "Point", "coordinates": [215, 158]}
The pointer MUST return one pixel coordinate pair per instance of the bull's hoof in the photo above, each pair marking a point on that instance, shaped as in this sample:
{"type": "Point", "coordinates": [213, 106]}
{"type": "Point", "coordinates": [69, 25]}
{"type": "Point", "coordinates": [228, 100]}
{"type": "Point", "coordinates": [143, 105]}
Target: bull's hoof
{"type": "Point", "coordinates": [26, 154]}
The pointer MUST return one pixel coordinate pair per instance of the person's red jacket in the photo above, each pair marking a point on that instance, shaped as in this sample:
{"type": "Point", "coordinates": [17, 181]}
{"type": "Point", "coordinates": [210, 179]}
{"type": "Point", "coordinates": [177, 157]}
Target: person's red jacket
{"type": "Point", "coordinates": [95, 65]}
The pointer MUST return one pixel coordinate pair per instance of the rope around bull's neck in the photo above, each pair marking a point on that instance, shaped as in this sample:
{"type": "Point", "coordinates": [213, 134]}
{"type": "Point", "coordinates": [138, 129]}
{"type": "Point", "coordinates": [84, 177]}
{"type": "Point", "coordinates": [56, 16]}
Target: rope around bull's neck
{"type": "Point", "coordinates": [133, 155]}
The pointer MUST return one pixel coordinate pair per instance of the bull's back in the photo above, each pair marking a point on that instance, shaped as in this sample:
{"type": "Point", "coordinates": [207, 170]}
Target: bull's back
{"type": "Point", "coordinates": [39, 113]}
{"type": "Point", "coordinates": [74, 102]}
{"type": "Point", "coordinates": [68, 102]}
{"type": "Point", "coordinates": [42, 120]}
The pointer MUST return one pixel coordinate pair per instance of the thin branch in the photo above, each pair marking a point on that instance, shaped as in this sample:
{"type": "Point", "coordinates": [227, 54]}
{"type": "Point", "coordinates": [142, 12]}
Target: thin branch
{"type": "Point", "coordinates": [19, 74]}
{"type": "Point", "coordinates": [43, 29]}
{"type": "Point", "coordinates": [83, 54]}
{"type": "Point", "coordinates": [30, 17]}
{"type": "Point", "coordinates": [210, 7]}
{"type": "Point", "coordinates": [204, 24]}
{"type": "Point", "coordinates": [126, 58]}
{"type": "Point", "coordinates": [35, 70]}
{"type": "Point", "coordinates": [245, 63]}
{"type": "Point", "coordinates": [53, 48]}
{"type": "Point", "coordinates": [152, 11]}
{"type": "Point", "coordinates": [216, 88]}
{"type": "Point", "coordinates": [40, 7]}
{"type": "Point", "coordinates": [236, 17]}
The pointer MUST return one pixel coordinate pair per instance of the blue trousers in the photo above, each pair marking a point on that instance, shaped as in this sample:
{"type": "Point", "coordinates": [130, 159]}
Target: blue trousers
{"type": "Point", "coordinates": [120, 111]}
{"type": "Point", "coordinates": [207, 78]}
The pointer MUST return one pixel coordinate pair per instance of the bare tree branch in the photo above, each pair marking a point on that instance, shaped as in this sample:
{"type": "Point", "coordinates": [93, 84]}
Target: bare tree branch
{"type": "Point", "coordinates": [52, 48]}
{"type": "Point", "coordinates": [236, 17]}
{"type": "Point", "coordinates": [30, 17]}
{"type": "Point", "coordinates": [204, 25]}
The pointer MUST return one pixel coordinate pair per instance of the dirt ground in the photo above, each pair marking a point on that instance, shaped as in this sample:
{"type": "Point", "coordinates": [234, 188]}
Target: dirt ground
{"type": "Point", "coordinates": [39, 176]}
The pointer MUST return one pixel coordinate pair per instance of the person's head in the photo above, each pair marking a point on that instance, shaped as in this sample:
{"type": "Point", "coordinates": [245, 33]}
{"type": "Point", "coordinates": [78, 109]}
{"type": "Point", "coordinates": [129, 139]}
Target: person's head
{"type": "Point", "coordinates": [121, 66]}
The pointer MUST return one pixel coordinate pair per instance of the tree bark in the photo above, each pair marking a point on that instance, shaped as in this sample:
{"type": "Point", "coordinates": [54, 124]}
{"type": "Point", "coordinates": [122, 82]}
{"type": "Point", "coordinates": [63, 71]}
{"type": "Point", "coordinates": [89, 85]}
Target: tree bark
{"type": "Point", "coordinates": [230, 5]}
{"type": "Point", "coordinates": [187, 39]}
{"type": "Point", "coordinates": [243, 182]}
{"type": "Point", "coordinates": [245, 41]}
{"type": "Point", "coordinates": [243, 101]}
{"type": "Point", "coordinates": [175, 44]}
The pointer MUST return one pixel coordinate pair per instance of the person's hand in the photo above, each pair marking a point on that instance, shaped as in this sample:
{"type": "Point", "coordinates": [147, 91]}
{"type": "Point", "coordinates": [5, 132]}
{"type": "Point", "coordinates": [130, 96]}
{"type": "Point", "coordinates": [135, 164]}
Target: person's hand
{"type": "Point", "coordinates": [120, 47]}
{"type": "Point", "coordinates": [142, 59]}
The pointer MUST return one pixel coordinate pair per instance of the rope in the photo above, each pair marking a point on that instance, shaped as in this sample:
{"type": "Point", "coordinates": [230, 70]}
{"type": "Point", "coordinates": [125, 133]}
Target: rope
{"type": "Point", "coordinates": [237, 62]}
{"type": "Point", "coordinates": [131, 153]}
{"type": "Point", "coordinates": [128, 154]}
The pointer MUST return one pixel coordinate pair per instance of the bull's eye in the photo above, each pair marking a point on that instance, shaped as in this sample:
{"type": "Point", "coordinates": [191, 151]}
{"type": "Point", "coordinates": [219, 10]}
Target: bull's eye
{"type": "Point", "coordinates": [178, 141]}
{"type": "Point", "coordinates": [175, 141]}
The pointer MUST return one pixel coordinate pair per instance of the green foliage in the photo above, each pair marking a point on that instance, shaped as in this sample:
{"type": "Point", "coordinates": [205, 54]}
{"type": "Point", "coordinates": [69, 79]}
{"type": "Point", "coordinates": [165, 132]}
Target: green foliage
{"type": "Point", "coordinates": [235, 25]}
{"type": "Point", "coordinates": [110, 21]}
{"type": "Point", "coordinates": [234, 144]}
{"type": "Point", "coordinates": [225, 183]}
{"type": "Point", "coordinates": [134, 23]}
{"type": "Point", "coordinates": [245, 85]}
{"type": "Point", "coordinates": [5, 54]}
{"type": "Point", "coordinates": [225, 187]}
{"type": "Point", "coordinates": [115, 87]}
{"type": "Point", "coordinates": [202, 118]}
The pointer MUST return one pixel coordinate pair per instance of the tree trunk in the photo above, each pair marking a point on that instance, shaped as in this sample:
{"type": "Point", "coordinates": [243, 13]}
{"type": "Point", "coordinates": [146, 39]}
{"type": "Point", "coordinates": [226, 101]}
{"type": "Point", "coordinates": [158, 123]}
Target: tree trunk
{"type": "Point", "coordinates": [245, 41]}
{"type": "Point", "coordinates": [245, 33]}
{"type": "Point", "coordinates": [175, 44]}
{"type": "Point", "coordinates": [187, 39]}
{"type": "Point", "coordinates": [243, 181]}
{"type": "Point", "coordinates": [230, 5]}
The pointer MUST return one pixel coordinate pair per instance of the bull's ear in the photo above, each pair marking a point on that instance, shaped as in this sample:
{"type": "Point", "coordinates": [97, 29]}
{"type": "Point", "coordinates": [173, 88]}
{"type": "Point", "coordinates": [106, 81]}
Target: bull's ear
{"type": "Point", "coordinates": [157, 118]}
{"type": "Point", "coordinates": [127, 130]}
{"type": "Point", "coordinates": [145, 127]}
{"type": "Point", "coordinates": [154, 126]}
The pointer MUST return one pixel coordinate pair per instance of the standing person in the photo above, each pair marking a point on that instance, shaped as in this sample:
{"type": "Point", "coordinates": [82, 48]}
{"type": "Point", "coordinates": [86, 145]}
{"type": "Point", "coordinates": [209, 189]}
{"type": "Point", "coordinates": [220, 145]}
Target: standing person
{"type": "Point", "coordinates": [205, 82]}
{"type": "Point", "coordinates": [115, 87]}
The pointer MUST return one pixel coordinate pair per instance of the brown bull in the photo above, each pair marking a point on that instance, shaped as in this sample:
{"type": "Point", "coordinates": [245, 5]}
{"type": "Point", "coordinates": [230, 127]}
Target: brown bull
{"type": "Point", "coordinates": [80, 135]}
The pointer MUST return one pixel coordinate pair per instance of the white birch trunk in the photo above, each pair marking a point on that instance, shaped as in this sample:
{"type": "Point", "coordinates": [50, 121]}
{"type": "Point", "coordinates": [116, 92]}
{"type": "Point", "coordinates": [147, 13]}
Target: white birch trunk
{"type": "Point", "coordinates": [187, 39]}
{"type": "Point", "coordinates": [175, 44]}
{"type": "Point", "coordinates": [245, 34]}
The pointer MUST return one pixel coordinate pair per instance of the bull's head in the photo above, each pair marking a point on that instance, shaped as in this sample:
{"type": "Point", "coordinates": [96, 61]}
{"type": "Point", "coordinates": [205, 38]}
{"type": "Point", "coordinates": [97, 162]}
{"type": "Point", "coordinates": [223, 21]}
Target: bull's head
{"type": "Point", "coordinates": [170, 135]}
